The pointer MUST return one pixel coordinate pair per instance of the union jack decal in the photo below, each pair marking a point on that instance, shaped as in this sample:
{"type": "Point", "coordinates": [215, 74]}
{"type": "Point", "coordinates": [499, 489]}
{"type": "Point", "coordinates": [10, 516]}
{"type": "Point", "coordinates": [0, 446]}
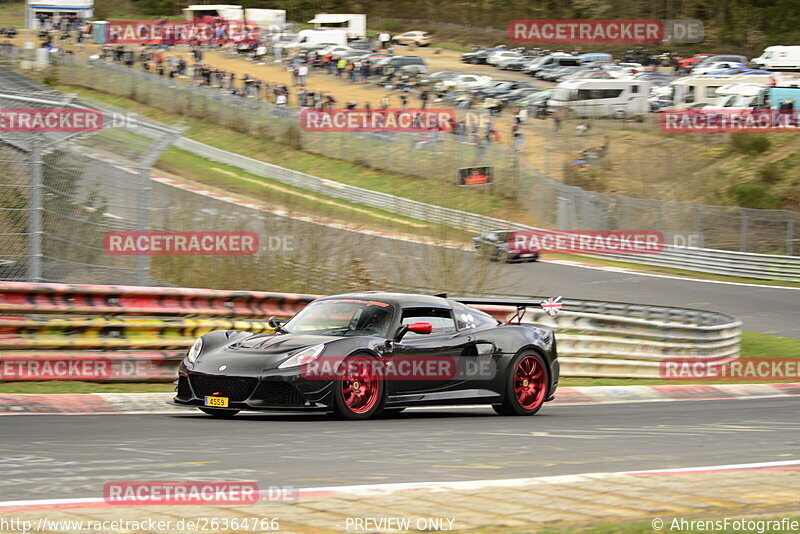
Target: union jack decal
{"type": "Point", "coordinates": [552, 306]}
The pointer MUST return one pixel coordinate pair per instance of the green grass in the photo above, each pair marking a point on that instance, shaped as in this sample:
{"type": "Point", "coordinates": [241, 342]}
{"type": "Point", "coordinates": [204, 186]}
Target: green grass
{"type": "Point", "coordinates": [754, 345]}
{"type": "Point", "coordinates": [12, 15]}
{"type": "Point", "coordinates": [235, 180]}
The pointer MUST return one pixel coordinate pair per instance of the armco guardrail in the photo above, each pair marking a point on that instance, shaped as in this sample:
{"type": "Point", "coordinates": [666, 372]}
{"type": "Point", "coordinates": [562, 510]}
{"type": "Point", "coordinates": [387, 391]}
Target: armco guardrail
{"type": "Point", "coordinates": [595, 338]}
{"type": "Point", "coordinates": [725, 262]}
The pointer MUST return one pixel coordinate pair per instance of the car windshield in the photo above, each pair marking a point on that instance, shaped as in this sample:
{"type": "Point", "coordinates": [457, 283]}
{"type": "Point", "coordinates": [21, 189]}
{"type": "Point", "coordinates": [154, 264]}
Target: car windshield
{"type": "Point", "coordinates": [342, 317]}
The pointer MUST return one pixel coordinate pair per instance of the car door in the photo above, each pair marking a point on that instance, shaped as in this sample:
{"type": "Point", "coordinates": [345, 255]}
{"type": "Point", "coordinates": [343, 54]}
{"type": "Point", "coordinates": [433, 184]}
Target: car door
{"type": "Point", "coordinates": [428, 362]}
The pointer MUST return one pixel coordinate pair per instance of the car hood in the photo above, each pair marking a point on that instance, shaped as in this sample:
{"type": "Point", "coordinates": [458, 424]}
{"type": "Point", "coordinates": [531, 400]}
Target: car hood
{"type": "Point", "coordinates": [255, 353]}
{"type": "Point", "coordinates": [276, 343]}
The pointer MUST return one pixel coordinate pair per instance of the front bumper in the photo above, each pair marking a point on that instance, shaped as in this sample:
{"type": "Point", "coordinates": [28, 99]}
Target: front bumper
{"type": "Point", "coordinates": [254, 393]}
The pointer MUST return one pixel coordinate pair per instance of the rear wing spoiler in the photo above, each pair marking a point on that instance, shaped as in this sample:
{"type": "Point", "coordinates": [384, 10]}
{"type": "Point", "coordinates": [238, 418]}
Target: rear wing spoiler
{"type": "Point", "coordinates": [551, 305]}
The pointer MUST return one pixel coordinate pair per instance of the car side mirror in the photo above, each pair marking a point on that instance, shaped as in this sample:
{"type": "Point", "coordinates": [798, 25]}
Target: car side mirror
{"type": "Point", "coordinates": [276, 323]}
{"type": "Point", "coordinates": [417, 328]}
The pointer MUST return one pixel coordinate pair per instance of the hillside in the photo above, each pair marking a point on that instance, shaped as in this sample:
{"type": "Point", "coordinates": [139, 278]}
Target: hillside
{"type": "Point", "coordinates": [741, 26]}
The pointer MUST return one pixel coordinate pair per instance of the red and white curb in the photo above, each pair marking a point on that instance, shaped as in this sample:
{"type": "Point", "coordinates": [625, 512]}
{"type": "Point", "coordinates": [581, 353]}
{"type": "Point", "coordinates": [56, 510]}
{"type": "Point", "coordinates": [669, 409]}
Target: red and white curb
{"type": "Point", "coordinates": [371, 490]}
{"type": "Point", "coordinates": [152, 403]}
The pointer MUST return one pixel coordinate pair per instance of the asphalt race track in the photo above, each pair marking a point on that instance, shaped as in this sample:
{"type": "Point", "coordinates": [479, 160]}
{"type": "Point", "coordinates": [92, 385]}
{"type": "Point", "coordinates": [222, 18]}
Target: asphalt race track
{"type": "Point", "coordinates": [769, 310]}
{"type": "Point", "coordinates": [45, 457]}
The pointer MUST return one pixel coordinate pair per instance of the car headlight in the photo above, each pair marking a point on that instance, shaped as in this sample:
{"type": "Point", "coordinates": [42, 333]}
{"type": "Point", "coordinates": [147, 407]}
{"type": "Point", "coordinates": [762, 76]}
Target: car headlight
{"type": "Point", "coordinates": [303, 357]}
{"type": "Point", "coordinates": [194, 352]}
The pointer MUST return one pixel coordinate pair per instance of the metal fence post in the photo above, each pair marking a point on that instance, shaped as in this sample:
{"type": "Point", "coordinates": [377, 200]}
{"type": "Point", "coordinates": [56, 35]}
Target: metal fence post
{"type": "Point", "coordinates": [698, 224]}
{"type": "Point", "coordinates": [143, 223]}
{"type": "Point", "coordinates": [790, 234]}
{"type": "Point", "coordinates": [35, 211]}
{"type": "Point", "coordinates": [743, 223]}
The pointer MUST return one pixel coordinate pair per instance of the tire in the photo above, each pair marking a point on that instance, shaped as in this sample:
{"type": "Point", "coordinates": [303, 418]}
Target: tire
{"type": "Point", "coordinates": [360, 392]}
{"type": "Point", "coordinates": [526, 385]}
{"type": "Point", "coordinates": [219, 414]}
{"type": "Point", "coordinates": [619, 114]}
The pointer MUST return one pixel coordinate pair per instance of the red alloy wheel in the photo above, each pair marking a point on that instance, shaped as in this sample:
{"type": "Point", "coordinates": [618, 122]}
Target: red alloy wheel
{"type": "Point", "coordinates": [529, 383]}
{"type": "Point", "coordinates": [361, 385]}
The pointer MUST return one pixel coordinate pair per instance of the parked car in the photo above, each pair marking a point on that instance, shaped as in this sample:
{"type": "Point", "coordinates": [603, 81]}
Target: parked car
{"type": "Point", "coordinates": [538, 98]}
{"type": "Point", "coordinates": [407, 64]}
{"type": "Point", "coordinates": [479, 56]}
{"type": "Point", "coordinates": [716, 67]}
{"type": "Point", "coordinates": [498, 55]}
{"type": "Point", "coordinates": [517, 94]}
{"type": "Point", "coordinates": [418, 38]}
{"type": "Point", "coordinates": [465, 82]}
{"type": "Point", "coordinates": [504, 87]}
{"type": "Point", "coordinates": [556, 75]}
{"type": "Point", "coordinates": [501, 245]}
{"type": "Point", "coordinates": [335, 50]}
{"type": "Point", "coordinates": [689, 62]}
{"type": "Point", "coordinates": [514, 63]}
{"type": "Point", "coordinates": [552, 62]}
{"type": "Point", "coordinates": [719, 58]}
{"type": "Point", "coordinates": [436, 77]}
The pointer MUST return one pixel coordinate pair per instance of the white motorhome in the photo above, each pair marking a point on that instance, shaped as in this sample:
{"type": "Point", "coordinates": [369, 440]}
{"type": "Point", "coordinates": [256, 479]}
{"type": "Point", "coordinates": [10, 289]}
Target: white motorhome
{"type": "Point", "coordinates": [223, 11]}
{"type": "Point", "coordinates": [47, 10]}
{"type": "Point", "coordinates": [737, 96]}
{"type": "Point", "coordinates": [266, 19]}
{"type": "Point", "coordinates": [602, 98]}
{"type": "Point", "coordinates": [779, 58]}
{"type": "Point", "coordinates": [690, 91]}
{"type": "Point", "coordinates": [355, 25]}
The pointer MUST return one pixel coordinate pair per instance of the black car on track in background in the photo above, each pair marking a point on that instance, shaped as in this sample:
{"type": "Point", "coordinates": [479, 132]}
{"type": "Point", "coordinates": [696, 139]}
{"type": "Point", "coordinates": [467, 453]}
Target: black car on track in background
{"type": "Point", "coordinates": [501, 245]}
{"type": "Point", "coordinates": [360, 354]}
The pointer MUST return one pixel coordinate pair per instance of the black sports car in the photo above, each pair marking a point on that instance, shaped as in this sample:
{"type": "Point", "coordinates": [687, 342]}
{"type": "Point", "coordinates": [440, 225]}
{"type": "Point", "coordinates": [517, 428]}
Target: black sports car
{"type": "Point", "coordinates": [360, 354]}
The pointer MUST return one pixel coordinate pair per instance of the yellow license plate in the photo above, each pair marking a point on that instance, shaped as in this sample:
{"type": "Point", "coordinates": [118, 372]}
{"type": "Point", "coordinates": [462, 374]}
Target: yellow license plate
{"type": "Point", "coordinates": [219, 402]}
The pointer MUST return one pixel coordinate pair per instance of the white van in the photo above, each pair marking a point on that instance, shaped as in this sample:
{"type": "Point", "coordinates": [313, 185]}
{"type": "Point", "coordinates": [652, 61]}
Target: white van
{"type": "Point", "coordinates": [309, 38]}
{"type": "Point", "coordinates": [602, 98]}
{"type": "Point", "coordinates": [779, 58]}
{"type": "Point", "coordinates": [553, 61]}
